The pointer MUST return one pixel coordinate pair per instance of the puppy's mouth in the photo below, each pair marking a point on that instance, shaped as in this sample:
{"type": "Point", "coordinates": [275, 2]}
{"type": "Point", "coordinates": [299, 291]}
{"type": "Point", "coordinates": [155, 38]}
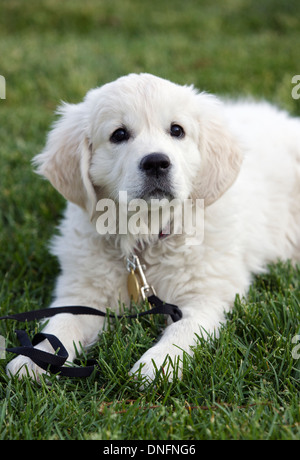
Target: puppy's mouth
{"type": "Point", "coordinates": [154, 191]}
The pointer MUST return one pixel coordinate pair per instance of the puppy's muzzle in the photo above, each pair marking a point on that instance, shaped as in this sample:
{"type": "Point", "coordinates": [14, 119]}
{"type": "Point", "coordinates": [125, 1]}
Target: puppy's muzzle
{"type": "Point", "coordinates": [157, 183]}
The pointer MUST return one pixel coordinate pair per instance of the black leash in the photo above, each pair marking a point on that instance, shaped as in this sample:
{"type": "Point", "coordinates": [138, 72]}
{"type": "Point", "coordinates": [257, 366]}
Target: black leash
{"type": "Point", "coordinates": [53, 363]}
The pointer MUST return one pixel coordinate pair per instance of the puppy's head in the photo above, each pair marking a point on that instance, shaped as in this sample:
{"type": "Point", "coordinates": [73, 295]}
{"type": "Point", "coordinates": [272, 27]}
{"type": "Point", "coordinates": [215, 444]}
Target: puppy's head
{"type": "Point", "coordinates": [143, 135]}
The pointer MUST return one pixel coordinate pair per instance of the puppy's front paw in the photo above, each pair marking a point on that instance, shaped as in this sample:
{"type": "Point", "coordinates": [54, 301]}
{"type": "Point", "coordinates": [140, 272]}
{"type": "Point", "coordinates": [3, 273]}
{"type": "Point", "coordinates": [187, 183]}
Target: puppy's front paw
{"type": "Point", "coordinates": [154, 361]}
{"type": "Point", "coordinates": [21, 366]}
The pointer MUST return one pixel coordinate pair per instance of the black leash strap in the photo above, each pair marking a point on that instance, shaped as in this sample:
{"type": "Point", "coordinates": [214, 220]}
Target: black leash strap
{"type": "Point", "coordinates": [53, 363]}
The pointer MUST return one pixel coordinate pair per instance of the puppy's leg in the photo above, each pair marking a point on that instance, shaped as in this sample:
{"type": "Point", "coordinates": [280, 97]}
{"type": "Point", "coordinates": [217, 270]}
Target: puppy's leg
{"type": "Point", "coordinates": [198, 320]}
{"type": "Point", "coordinates": [74, 331]}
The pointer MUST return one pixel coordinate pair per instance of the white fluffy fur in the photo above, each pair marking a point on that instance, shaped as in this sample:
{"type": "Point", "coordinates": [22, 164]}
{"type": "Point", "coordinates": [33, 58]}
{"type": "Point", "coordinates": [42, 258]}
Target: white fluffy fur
{"type": "Point", "coordinates": [242, 157]}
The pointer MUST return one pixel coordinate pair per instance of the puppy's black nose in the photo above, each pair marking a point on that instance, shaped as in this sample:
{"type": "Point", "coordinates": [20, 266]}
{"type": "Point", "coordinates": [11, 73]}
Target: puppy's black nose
{"type": "Point", "coordinates": [155, 164]}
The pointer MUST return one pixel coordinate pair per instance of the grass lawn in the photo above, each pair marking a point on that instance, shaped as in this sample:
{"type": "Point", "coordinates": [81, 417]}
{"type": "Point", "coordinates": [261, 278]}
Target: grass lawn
{"type": "Point", "coordinates": [245, 385]}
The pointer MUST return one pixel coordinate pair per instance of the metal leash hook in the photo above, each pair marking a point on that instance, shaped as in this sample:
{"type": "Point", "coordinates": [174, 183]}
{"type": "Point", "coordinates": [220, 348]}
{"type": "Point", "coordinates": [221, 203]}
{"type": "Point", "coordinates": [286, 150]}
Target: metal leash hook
{"type": "Point", "coordinates": [137, 283]}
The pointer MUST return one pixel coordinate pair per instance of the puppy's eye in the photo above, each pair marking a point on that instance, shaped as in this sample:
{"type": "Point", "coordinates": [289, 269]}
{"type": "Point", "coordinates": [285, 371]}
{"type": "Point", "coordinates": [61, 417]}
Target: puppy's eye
{"type": "Point", "coordinates": [119, 135]}
{"type": "Point", "coordinates": [177, 131]}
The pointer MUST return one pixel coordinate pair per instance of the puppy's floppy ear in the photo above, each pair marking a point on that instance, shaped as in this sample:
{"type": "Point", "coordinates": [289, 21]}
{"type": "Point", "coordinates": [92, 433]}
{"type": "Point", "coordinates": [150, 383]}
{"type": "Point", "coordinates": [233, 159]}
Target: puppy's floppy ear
{"type": "Point", "coordinates": [66, 157]}
{"type": "Point", "coordinates": [221, 159]}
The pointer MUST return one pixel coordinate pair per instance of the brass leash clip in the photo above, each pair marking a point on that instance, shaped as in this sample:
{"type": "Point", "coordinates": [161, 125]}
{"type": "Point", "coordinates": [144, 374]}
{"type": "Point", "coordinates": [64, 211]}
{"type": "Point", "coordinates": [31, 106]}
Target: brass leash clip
{"type": "Point", "coordinates": [136, 282]}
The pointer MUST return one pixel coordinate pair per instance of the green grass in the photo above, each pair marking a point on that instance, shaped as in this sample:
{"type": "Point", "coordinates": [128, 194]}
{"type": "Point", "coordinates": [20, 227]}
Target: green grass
{"type": "Point", "coordinates": [245, 385]}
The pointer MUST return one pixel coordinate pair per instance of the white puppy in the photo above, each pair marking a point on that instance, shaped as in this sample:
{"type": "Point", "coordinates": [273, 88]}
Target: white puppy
{"type": "Point", "coordinates": [154, 139]}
